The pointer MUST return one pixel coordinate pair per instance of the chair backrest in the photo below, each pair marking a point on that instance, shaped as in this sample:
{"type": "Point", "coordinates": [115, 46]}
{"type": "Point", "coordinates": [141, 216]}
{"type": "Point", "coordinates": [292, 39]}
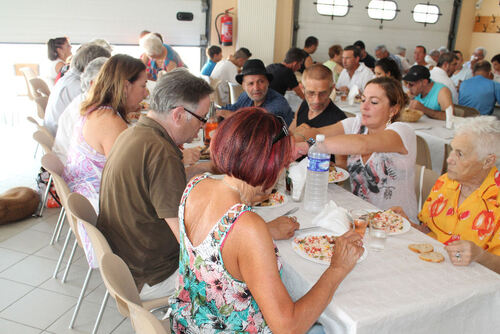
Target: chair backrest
{"type": "Point", "coordinates": [464, 111]}
{"type": "Point", "coordinates": [92, 240]}
{"type": "Point", "coordinates": [447, 150]}
{"type": "Point", "coordinates": [424, 181]}
{"type": "Point", "coordinates": [215, 83]}
{"type": "Point", "coordinates": [119, 282]}
{"type": "Point", "coordinates": [39, 86]}
{"type": "Point", "coordinates": [52, 163]}
{"type": "Point", "coordinates": [28, 73]}
{"type": "Point", "coordinates": [235, 91]}
{"type": "Point", "coordinates": [44, 139]}
{"type": "Point", "coordinates": [144, 322]}
{"type": "Point", "coordinates": [423, 153]}
{"type": "Point", "coordinates": [41, 105]}
{"type": "Point", "coordinates": [41, 128]}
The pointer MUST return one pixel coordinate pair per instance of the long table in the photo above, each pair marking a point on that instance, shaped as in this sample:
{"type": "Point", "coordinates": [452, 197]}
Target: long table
{"type": "Point", "coordinates": [393, 291]}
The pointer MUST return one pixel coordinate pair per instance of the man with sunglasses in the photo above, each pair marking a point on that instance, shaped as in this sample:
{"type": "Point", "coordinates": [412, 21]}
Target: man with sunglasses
{"type": "Point", "coordinates": [144, 178]}
{"type": "Point", "coordinates": [430, 97]}
{"type": "Point", "coordinates": [254, 78]}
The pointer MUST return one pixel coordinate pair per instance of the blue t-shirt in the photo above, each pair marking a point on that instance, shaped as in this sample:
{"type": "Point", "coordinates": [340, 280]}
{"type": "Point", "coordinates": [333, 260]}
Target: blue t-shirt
{"type": "Point", "coordinates": [208, 68]}
{"type": "Point", "coordinates": [431, 99]}
{"type": "Point", "coordinates": [479, 93]}
{"type": "Point", "coordinates": [275, 103]}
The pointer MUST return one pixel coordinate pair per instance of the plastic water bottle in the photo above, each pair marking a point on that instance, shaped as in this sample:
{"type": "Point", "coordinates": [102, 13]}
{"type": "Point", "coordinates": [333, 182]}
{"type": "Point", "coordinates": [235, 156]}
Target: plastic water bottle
{"type": "Point", "coordinates": [316, 193]}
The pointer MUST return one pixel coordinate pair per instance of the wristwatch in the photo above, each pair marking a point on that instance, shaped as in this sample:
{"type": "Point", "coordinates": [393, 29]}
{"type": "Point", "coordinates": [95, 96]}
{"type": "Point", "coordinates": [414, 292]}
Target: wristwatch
{"type": "Point", "coordinates": [311, 141]}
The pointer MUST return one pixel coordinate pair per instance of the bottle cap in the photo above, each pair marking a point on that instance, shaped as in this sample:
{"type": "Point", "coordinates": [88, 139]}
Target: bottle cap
{"type": "Point", "coordinates": [320, 138]}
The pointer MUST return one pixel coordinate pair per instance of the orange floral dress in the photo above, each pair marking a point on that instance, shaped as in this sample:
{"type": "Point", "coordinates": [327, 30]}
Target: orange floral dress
{"type": "Point", "coordinates": [477, 219]}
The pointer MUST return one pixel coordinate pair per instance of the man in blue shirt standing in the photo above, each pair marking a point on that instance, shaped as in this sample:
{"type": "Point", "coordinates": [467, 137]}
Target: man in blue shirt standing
{"type": "Point", "coordinates": [215, 55]}
{"type": "Point", "coordinates": [255, 79]}
{"type": "Point", "coordinates": [480, 92]}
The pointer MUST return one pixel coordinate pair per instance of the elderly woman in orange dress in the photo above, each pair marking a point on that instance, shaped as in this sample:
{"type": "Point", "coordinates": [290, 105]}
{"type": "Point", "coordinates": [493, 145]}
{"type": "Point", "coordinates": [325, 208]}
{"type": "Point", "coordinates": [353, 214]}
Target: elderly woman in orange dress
{"type": "Point", "coordinates": [463, 208]}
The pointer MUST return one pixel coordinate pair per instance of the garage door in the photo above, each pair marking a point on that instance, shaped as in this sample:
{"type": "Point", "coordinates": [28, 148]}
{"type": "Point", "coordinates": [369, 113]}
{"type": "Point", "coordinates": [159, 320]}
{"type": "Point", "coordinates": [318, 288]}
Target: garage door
{"type": "Point", "coordinates": [357, 25]}
{"type": "Point", "coordinates": [118, 21]}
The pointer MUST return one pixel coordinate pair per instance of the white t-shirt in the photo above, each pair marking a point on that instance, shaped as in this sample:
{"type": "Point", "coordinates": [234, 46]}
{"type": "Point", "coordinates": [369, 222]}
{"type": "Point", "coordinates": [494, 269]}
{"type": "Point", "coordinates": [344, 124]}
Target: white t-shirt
{"type": "Point", "coordinates": [225, 71]}
{"type": "Point", "coordinates": [360, 77]}
{"type": "Point", "coordinates": [439, 75]}
{"type": "Point", "coordinates": [386, 179]}
{"type": "Point", "coordinates": [67, 123]}
{"type": "Point", "coordinates": [65, 90]}
{"type": "Point", "coordinates": [464, 74]}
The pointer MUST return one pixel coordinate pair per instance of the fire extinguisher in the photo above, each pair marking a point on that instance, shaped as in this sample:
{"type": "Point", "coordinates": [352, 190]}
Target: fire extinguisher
{"type": "Point", "coordinates": [225, 33]}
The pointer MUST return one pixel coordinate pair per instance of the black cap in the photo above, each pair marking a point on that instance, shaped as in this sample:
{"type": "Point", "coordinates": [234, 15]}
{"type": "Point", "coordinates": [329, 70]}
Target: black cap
{"type": "Point", "coordinates": [417, 72]}
{"type": "Point", "coordinates": [253, 67]}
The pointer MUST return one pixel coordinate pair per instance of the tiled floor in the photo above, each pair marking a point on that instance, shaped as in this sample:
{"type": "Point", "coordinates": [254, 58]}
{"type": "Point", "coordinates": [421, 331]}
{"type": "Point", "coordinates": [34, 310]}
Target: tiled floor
{"type": "Point", "coordinates": [31, 301]}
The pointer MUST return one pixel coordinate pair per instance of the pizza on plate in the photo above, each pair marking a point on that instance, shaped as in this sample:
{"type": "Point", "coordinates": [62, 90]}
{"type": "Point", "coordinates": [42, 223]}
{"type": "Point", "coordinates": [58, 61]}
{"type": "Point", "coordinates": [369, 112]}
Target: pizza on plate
{"type": "Point", "coordinates": [318, 247]}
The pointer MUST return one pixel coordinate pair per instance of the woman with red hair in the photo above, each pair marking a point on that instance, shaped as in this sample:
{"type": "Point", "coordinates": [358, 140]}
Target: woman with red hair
{"type": "Point", "coordinates": [229, 268]}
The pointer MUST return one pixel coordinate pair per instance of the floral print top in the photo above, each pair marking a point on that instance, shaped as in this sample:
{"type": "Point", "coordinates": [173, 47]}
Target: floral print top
{"type": "Point", "coordinates": [477, 219]}
{"type": "Point", "coordinates": [84, 165]}
{"type": "Point", "coordinates": [208, 299]}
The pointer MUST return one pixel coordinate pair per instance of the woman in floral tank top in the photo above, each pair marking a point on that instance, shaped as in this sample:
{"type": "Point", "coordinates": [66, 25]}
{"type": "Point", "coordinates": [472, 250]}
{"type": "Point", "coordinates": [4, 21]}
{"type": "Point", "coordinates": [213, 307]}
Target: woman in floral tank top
{"type": "Point", "coordinates": [118, 89]}
{"type": "Point", "coordinates": [229, 268]}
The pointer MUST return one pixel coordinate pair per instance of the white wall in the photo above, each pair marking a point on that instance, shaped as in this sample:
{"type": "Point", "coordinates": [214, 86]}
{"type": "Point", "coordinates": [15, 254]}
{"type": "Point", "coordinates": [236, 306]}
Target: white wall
{"type": "Point", "coordinates": [256, 28]}
{"type": "Point", "coordinates": [358, 26]}
{"type": "Point", "coordinates": [118, 21]}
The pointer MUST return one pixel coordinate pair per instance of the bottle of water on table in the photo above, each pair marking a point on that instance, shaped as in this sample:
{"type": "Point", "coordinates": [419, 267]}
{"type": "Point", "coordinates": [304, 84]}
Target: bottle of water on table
{"type": "Point", "coordinates": [316, 193]}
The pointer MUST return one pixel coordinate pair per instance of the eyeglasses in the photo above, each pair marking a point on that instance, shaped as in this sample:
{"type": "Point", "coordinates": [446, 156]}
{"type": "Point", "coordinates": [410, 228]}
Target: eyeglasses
{"type": "Point", "coordinates": [284, 130]}
{"type": "Point", "coordinates": [201, 119]}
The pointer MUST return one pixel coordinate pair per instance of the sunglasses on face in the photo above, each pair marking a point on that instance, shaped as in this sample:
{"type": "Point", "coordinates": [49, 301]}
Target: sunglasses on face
{"type": "Point", "coordinates": [284, 131]}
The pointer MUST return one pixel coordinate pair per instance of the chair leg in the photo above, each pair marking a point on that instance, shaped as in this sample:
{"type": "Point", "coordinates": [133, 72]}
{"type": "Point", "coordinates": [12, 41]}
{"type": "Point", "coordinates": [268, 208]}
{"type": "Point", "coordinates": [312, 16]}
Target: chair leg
{"type": "Point", "coordinates": [36, 150]}
{"type": "Point", "coordinates": [60, 221]}
{"type": "Point", "coordinates": [101, 311]}
{"type": "Point", "coordinates": [80, 298]}
{"type": "Point", "coordinates": [45, 196]}
{"type": "Point", "coordinates": [63, 280]}
{"type": "Point", "coordinates": [60, 227]}
{"type": "Point", "coordinates": [61, 256]}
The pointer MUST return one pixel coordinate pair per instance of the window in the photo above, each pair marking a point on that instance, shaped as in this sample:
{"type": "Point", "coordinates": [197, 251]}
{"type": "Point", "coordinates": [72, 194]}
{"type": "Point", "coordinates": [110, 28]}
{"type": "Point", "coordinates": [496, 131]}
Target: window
{"type": "Point", "coordinates": [382, 10]}
{"type": "Point", "coordinates": [426, 13]}
{"type": "Point", "coordinates": [333, 7]}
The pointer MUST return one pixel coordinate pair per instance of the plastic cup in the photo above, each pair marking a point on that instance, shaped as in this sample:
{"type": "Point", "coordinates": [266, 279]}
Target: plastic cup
{"type": "Point", "coordinates": [377, 237]}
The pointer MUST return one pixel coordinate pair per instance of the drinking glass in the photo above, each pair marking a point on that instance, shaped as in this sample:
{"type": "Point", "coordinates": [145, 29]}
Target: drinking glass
{"type": "Point", "coordinates": [377, 236]}
{"type": "Point", "coordinates": [359, 221]}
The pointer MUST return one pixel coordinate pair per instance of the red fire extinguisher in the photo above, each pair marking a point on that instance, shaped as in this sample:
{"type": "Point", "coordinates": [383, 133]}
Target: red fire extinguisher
{"type": "Point", "coordinates": [225, 33]}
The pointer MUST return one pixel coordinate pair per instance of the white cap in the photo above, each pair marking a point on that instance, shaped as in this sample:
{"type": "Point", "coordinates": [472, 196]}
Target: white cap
{"type": "Point", "coordinates": [320, 138]}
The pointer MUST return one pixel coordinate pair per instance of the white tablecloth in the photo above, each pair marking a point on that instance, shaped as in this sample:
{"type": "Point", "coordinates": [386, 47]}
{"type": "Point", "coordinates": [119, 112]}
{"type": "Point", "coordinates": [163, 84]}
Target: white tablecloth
{"type": "Point", "coordinates": [393, 291]}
